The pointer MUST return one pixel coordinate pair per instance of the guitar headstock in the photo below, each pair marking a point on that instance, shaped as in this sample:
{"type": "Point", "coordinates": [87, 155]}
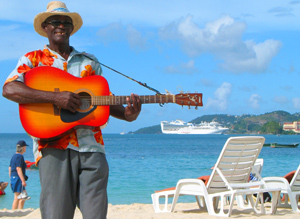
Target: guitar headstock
{"type": "Point", "coordinates": [189, 99]}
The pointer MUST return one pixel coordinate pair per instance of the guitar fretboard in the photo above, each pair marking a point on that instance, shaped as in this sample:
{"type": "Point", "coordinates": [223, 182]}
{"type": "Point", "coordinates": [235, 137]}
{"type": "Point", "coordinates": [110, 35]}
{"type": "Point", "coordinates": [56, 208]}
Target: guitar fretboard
{"type": "Point", "coordinates": [117, 100]}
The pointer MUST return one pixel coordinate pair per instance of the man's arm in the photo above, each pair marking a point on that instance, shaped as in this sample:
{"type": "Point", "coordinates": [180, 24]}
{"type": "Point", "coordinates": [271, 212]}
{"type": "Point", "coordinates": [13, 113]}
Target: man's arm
{"type": "Point", "coordinates": [128, 113]}
{"type": "Point", "coordinates": [21, 175]}
{"type": "Point", "coordinates": [20, 93]}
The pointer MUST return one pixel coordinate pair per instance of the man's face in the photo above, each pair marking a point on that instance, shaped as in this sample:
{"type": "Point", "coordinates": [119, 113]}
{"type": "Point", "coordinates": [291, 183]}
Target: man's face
{"type": "Point", "coordinates": [58, 29]}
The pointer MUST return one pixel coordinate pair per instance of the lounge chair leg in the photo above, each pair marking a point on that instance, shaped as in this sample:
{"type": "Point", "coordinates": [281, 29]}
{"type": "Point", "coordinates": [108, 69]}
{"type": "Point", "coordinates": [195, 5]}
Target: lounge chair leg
{"type": "Point", "coordinates": [274, 203]}
{"type": "Point", "coordinates": [259, 199]}
{"type": "Point", "coordinates": [175, 199]}
{"type": "Point", "coordinates": [262, 203]}
{"type": "Point", "coordinates": [155, 201]}
{"type": "Point", "coordinates": [200, 201]}
{"type": "Point", "coordinates": [212, 205]}
{"type": "Point", "coordinates": [294, 202]}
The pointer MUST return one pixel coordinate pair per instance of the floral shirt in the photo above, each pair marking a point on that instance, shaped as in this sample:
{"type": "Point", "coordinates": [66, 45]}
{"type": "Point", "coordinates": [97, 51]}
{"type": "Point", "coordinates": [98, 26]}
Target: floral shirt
{"type": "Point", "coordinates": [79, 64]}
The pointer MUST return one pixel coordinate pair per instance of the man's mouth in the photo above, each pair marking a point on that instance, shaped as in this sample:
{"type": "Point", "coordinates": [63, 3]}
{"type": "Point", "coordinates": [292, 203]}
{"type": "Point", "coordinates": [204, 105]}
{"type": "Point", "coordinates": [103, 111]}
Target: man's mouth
{"type": "Point", "coordinates": [60, 33]}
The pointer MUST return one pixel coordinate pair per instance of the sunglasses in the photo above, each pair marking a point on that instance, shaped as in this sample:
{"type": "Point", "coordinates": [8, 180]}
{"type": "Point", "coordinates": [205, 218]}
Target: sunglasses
{"type": "Point", "coordinates": [66, 24]}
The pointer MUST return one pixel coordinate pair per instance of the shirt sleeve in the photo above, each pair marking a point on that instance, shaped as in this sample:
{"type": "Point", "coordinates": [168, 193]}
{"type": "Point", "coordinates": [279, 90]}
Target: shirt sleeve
{"type": "Point", "coordinates": [23, 66]}
{"type": "Point", "coordinates": [96, 65]}
{"type": "Point", "coordinates": [19, 162]}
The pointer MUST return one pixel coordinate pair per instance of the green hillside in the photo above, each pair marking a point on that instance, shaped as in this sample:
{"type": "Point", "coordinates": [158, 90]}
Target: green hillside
{"type": "Point", "coordinates": [268, 123]}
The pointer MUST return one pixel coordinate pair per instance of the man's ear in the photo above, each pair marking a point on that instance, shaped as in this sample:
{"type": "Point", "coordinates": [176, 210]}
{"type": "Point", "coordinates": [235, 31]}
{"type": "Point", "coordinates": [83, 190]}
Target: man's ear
{"type": "Point", "coordinates": [44, 26]}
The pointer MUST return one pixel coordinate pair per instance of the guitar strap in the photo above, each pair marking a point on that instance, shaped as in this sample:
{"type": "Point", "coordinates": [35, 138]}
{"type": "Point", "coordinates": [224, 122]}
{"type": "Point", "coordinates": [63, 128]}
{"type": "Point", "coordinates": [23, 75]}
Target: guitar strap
{"type": "Point", "coordinates": [140, 83]}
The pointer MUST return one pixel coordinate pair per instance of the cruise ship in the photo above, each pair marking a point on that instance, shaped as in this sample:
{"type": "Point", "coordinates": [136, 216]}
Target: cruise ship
{"type": "Point", "coordinates": [181, 127]}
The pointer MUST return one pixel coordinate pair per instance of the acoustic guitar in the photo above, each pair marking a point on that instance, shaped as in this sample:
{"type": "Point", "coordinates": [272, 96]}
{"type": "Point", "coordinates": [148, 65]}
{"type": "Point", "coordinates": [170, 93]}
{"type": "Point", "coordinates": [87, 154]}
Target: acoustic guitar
{"type": "Point", "coordinates": [48, 122]}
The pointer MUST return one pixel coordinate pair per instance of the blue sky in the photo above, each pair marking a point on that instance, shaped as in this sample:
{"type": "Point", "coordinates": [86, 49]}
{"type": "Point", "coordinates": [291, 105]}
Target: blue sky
{"type": "Point", "coordinates": [242, 55]}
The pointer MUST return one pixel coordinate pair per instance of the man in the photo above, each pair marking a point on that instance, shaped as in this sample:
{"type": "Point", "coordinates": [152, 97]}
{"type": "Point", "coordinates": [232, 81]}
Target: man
{"type": "Point", "coordinates": [16, 171]}
{"type": "Point", "coordinates": [73, 170]}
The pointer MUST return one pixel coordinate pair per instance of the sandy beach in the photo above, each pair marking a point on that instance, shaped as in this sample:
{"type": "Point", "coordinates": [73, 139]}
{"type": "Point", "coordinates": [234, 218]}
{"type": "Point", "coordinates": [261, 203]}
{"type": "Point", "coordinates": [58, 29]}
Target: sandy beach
{"type": "Point", "coordinates": [145, 211]}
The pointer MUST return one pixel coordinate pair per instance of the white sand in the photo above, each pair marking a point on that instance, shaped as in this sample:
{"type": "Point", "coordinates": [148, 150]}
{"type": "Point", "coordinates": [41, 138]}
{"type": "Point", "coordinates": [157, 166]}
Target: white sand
{"type": "Point", "coordinates": [145, 211]}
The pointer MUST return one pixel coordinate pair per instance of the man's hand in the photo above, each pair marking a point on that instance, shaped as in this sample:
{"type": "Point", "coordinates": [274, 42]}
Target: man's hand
{"type": "Point", "coordinates": [132, 110]}
{"type": "Point", "coordinates": [67, 100]}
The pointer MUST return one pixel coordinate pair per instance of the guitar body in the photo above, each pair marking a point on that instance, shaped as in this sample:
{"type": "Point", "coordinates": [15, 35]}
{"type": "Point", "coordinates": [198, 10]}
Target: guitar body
{"type": "Point", "coordinates": [48, 122]}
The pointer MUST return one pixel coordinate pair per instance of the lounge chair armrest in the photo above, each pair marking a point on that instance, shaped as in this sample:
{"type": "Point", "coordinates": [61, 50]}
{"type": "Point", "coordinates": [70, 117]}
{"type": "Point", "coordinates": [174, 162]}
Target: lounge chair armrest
{"type": "Point", "coordinates": [246, 185]}
{"type": "Point", "coordinates": [275, 179]}
{"type": "Point", "coordinates": [190, 181]}
{"type": "Point", "coordinates": [187, 186]}
{"type": "Point", "coordinates": [196, 182]}
{"type": "Point", "coordinates": [273, 182]}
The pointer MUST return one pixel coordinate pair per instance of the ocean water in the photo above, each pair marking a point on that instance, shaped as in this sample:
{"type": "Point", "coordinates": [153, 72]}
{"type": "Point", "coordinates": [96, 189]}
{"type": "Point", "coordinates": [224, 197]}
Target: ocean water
{"type": "Point", "coordinates": [141, 164]}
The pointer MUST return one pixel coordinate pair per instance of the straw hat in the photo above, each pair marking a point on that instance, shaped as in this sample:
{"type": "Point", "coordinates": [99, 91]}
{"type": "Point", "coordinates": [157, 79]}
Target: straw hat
{"type": "Point", "coordinates": [56, 8]}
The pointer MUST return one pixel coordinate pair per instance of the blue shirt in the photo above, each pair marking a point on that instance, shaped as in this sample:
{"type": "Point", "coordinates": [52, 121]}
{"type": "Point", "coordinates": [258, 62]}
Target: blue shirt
{"type": "Point", "coordinates": [17, 160]}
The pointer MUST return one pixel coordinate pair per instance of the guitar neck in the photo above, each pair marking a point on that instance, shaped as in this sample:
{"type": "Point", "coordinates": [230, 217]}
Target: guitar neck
{"type": "Point", "coordinates": [117, 100]}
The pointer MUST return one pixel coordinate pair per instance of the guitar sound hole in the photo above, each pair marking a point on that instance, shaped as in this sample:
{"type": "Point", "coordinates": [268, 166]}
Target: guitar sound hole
{"type": "Point", "coordinates": [85, 100]}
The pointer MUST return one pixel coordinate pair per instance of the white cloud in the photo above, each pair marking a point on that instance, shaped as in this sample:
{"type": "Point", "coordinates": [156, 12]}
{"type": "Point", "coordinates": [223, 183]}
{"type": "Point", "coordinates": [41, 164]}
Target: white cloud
{"type": "Point", "coordinates": [206, 82]}
{"type": "Point", "coordinates": [254, 101]}
{"type": "Point", "coordinates": [296, 103]}
{"type": "Point", "coordinates": [247, 88]}
{"type": "Point", "coordinates": [281, 11]}
{"type": "Point", "coordinates": [256, 60]}
{"type": "Point", "coordinates": [115, 32]}
{"type": "Point", "coordinates": [110, 33]}
{"type": "Point", "coordinates": [135, 38]}
{"type": "Point", "coordinates": [220, 100]}
{"type": "Point", "coordinates": [223, 38]}
{"type": "Point", "coordinates": [182, 68]}
{"type": "Point", "coordinates": [281, 100]}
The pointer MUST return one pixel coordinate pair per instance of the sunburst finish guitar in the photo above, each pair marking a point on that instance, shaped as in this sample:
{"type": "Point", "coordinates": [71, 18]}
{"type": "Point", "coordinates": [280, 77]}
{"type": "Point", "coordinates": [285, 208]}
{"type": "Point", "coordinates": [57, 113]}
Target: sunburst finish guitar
{"type": "Point", "coordinates": [48, 122]}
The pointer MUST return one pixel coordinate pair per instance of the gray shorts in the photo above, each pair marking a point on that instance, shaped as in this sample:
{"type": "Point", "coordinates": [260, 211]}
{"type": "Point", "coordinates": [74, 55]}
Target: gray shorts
{"type": "Point", "coordinates": [69, 178]}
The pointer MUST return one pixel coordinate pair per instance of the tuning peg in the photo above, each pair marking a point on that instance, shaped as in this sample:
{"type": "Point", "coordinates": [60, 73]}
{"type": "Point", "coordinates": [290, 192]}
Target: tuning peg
{"type": "Point", "coordinates": [189, 107]}
{"type": "Point", "coordinates": [196, 107]}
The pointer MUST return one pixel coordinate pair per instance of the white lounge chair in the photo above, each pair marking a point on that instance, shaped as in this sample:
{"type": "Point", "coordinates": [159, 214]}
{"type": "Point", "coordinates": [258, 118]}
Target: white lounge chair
{"type": "Point", "coordinates": [228, 179]}
{"type": "Point", "coordinates": [291, 190]}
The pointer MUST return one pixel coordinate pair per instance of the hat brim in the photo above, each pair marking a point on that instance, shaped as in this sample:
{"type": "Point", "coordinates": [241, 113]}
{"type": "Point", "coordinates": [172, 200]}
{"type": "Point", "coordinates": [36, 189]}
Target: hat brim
{"type": "Point", "coordinates": [41, 17]}
{"type": "Point", "coordinates": [20, 146]}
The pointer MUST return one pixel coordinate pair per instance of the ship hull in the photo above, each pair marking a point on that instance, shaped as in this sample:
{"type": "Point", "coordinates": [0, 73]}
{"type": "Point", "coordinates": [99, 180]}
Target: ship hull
{"type": "Point", "coordinates": [180, 127]}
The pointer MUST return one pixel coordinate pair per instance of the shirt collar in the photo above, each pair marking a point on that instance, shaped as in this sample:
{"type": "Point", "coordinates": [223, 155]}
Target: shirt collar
{"type": "Point", "coordinates": [74, 52]}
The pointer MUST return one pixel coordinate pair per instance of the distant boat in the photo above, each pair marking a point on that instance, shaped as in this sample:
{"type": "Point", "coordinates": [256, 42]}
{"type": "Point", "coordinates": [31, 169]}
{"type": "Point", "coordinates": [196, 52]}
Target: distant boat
{"type": "Point", "coordinates": [276, 145]}
{"type": "Point", "coordinates": [181, 127]}
{"type": "Point", "coordinates": [122, 133]}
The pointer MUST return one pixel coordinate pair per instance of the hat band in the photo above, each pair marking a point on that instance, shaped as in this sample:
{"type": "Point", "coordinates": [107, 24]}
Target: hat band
{"type": "Point", "coordinates": [60, 10]}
